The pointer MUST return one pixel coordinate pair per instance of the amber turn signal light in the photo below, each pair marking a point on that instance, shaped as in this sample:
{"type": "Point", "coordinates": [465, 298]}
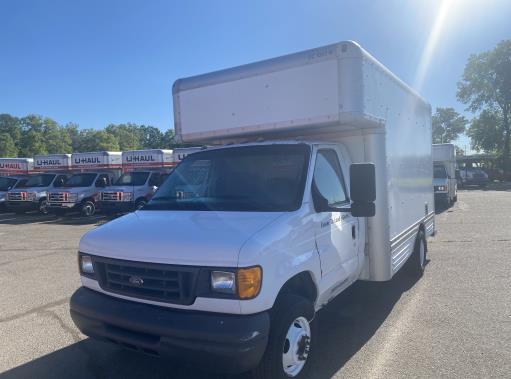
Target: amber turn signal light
{"type": "Point", "coordinates": [249, 282]}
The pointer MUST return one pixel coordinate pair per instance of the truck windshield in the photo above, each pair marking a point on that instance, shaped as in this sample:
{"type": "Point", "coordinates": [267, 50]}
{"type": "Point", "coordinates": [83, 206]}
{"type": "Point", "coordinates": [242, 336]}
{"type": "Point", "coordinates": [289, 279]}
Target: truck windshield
{"type": "Point", "coordinates": [439, 172]}
{"type": "Point", "coordinates": [80, 180]}
{"type": "Point", "coordinates": [265, 178]}
{"type": "Point", "coordinates": [43, 180]}
{"type": "Point", "coordinates": [132, 179]}
{"type": "Point", "coordinates": [6, 183]}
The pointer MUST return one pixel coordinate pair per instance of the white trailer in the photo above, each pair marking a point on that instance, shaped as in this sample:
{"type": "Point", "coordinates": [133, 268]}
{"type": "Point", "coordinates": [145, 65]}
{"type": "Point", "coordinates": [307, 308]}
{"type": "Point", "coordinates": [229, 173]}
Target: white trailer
{"type": "Point", "coordinates": [321, 175]}
{"type": "Point", "coordinates": [444, 174]}
{"type": "Point", "coordinates": [50, 172]}
{"type": "Point", "coordinates": [92, 172]}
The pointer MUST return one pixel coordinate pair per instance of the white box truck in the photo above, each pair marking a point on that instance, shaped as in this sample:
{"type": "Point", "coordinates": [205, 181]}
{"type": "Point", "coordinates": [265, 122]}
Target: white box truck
{"type": "Point", "coordinates": [322, 176]}
{"type": "Point", "coordinates": [50, 172]}
{"type": "Point", "coordinates": [143, 172]}
{"type": "Point", "coordinates": [444, 174]}
{"type": "Point", "coordinates": [13, 173]}
{"type": "Point", "coordinates": [92, 172]}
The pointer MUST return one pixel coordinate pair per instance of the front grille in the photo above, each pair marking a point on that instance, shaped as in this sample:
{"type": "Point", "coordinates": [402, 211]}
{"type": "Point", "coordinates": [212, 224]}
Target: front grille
{"type": "Point", "coordinates": [58, 197]}
{"type": "Point", "coordinates": [151, 281]}
{"type": "Point", "coordinates": [17, 196]}
{"type": "Point", "coordinates": [111, 196]}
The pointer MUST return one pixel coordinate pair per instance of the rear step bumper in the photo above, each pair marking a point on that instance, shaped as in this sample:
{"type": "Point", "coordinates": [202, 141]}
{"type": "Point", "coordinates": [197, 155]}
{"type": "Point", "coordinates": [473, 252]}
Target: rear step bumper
{"type": "Point", "coordinates": [229, 343]}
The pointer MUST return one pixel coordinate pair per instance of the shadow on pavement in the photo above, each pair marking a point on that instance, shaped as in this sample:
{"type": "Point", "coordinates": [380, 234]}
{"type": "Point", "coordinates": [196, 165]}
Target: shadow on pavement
{"type": "Point", "coordinates": [345, 326]}
{"type": "Point", "coordinates": [492, 186]}
{"type": "Point", "coordinates": [34, 217]}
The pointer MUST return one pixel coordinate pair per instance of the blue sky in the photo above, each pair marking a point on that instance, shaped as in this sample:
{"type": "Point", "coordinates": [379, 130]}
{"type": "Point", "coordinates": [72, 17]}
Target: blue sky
{"type": "Point", "coordinates": [99, 62]}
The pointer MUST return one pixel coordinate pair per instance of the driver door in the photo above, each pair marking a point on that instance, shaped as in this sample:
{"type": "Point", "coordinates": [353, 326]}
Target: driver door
{"type": "Point", "coordinates": [336, 232]}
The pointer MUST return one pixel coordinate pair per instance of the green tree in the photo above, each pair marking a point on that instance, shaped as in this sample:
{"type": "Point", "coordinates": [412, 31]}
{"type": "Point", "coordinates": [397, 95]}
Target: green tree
{"type": "Point", "coordinates": [7, 146]}
{"type": "Point", "coordinates": [486, 85]}
{"type": "Point", "coordinates": [56, 138]}
{"type": "Point", "coordinates": [151, 137]}
{"type": "Point", "coordinates": [72, 130]}
{"type": "Point", "coordinates": [127, 135]}
{"type": "Point", "coordinates": [168, 141]}
{"type": "Point", "coordinates": [97, 140]}
{"type": "Point", "coordinates": [447, 125]}
{"type": "Point", "coordinates": [11, 126]}
{"type": "Point", "coordinates": [486, 131]}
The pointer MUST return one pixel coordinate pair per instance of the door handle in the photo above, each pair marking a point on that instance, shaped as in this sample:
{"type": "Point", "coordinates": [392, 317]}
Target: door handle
{"type": "Point", "coordinates": [353, 232]}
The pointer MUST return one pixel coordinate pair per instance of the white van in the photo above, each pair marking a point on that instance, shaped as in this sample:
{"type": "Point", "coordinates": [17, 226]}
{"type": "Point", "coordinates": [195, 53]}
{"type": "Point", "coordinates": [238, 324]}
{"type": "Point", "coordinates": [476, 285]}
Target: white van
{"type": "Point", "coordinates": [92, 172]}
{"type": "Point", "coordinates": [50, 172]}
{"type": "Point", "coordinates": [444, 174]}
{"type": "Point", "coordinates": [322, 176]}
{"type": "Point", "coordinates": [13, 173]}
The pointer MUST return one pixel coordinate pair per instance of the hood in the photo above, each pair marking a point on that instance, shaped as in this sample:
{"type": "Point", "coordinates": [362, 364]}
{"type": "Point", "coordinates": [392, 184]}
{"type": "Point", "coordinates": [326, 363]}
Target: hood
{"type": "Point", "coordinates": [120, 188]}
{"type": "Point", "coordinates": [440, 181]}
{"type": "Point", "coordinates": [74, 189]}
{"type": "Point", "coordinates": [31, 189]}
{"type": "Point", "coordinates": [177, 237]}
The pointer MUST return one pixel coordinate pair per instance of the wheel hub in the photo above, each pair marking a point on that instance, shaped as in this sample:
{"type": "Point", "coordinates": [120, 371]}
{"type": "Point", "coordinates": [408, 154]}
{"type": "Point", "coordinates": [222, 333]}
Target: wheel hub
{"type": "Point", "coordinates": [296, 347]}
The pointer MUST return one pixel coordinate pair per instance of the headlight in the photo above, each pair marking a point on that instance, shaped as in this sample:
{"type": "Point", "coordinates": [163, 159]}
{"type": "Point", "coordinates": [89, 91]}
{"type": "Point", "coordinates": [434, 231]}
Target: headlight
{"type": "Point", "coordinates": [223, 282]}
{"type": "Point", "coordinates": [127, 196]}
{"type": "Point", "coordinates": [440, 188]}
{"type": "Point", "coordinates": [2, 198]}
{"type": "Point", "coordinates": [244, 282]}
{"type": "Point", "coordinates": [86, 266]}
{"type": "Point", "coordinates": [32, 196]}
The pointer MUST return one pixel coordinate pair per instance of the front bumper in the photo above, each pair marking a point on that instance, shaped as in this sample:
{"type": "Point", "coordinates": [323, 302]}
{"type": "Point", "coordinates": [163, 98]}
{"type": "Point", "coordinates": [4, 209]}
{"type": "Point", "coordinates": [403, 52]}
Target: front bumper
{"type": "Point", "coordinates": [116, 206]}
{"type": "Point", "coordinates": [22, 205]}
{"type": "Point", "coordinates": [224, 342]}
{"type": "Point", "coordinates": [63, 206]}
{"type": "Point", "coordinates": [441, 196]}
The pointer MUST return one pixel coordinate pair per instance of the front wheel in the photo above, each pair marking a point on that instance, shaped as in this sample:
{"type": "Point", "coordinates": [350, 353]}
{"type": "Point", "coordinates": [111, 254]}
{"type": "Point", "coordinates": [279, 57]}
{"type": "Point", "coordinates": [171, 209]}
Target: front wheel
{"type": "Point", "coordinates": [88, 208]}
{"type": "Point", "coordinates": [289, 349]}
{"type": "Point", "coordinates": [43, 207]}
{"type": "Point", "coordinates": [140, 204]}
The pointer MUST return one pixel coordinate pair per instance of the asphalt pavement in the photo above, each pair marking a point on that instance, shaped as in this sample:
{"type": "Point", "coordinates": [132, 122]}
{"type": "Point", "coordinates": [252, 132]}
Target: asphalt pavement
{"type": "Point", "coordinates": [455, 322]}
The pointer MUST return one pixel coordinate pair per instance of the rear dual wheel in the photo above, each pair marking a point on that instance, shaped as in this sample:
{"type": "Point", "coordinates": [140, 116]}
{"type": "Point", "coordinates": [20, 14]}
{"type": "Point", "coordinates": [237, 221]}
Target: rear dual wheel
{"type": "Point", "coordinates": [417, 261]}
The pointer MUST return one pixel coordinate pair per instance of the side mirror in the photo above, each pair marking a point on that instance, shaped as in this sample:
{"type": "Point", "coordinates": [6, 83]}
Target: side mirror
{"type": "Point", "coordinates": [363, 189]}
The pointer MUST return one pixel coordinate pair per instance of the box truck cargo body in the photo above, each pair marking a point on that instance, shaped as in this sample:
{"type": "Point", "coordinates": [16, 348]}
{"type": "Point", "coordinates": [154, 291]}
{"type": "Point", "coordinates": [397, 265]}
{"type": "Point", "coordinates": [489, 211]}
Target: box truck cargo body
{"type": "Point", "coordinates": [444, 174]}
{"type": "Point", "coordinates": [50, 172]}
{"type": "Point", "coordinates": [91, 173]}
{"type": "Point", "coordinates": [320, 175]}
{"type": "Point", "coordinates": [16, 166]}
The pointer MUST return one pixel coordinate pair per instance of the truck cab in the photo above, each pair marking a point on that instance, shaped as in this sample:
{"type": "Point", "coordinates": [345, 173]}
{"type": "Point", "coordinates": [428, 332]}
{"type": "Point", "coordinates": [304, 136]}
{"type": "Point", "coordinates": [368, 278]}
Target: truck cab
{"type": "Point", "coordinates": [131, 191]}
{"type": "Point", "coordinates": [7, 183]}
{"type": "Point", "coordinates": [93, 172]}
{"type": "Point", "coordinates": [32, 195]}
{"type": "Point", "coordinates": [49, 173]}
{"type": "Point", "coordinates": [445, 182]}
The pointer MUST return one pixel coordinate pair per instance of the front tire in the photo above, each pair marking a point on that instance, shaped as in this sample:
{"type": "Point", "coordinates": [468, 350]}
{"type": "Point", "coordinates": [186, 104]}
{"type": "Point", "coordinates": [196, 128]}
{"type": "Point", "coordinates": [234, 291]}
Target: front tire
{"type": "Point", "coordinates": [88, 209]}
{"type": "Point", "coordinates": [290, 343]}
{"type": "Point", "coordinates": [43, 206]}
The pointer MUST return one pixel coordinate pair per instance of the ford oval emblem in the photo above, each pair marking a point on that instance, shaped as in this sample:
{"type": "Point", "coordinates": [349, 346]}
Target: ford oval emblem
{"type": "Point", "coordinates": [136, 280]}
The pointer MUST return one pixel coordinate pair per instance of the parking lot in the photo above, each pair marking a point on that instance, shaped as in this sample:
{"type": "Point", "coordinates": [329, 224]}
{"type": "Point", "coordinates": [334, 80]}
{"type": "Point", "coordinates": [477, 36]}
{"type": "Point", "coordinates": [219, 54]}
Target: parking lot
{"type": "Point", "coordinates": [454, 322]}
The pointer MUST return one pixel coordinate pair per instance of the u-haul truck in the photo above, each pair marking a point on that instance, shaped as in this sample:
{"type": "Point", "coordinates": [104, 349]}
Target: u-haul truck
{"type": "Point", "coordinates": [50, 173]}
{"type": "Point", "coordinates": [13, 173]}
{"type": "Point", "coordinates": [322, 176]}
{"type": "Point", "coordinates": [92, 172]}
{"type": "Point", "coordinates": [143, 172]}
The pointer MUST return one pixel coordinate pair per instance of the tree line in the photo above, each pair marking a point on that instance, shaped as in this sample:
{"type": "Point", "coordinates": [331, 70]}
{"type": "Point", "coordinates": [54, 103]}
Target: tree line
{"type": "Point", "coordinates": [34, 135]}
{"type": "Point", "coordinates": [485, 88]}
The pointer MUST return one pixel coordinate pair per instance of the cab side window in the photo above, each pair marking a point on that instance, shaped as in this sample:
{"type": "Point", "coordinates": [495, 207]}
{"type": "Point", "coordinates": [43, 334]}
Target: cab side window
{"type": "Point", "coordinates": [328, 181]}
{"type": "Point", "coordinates": [155, 179]}
{"type": "Point", "coordinates": [102, 181]}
